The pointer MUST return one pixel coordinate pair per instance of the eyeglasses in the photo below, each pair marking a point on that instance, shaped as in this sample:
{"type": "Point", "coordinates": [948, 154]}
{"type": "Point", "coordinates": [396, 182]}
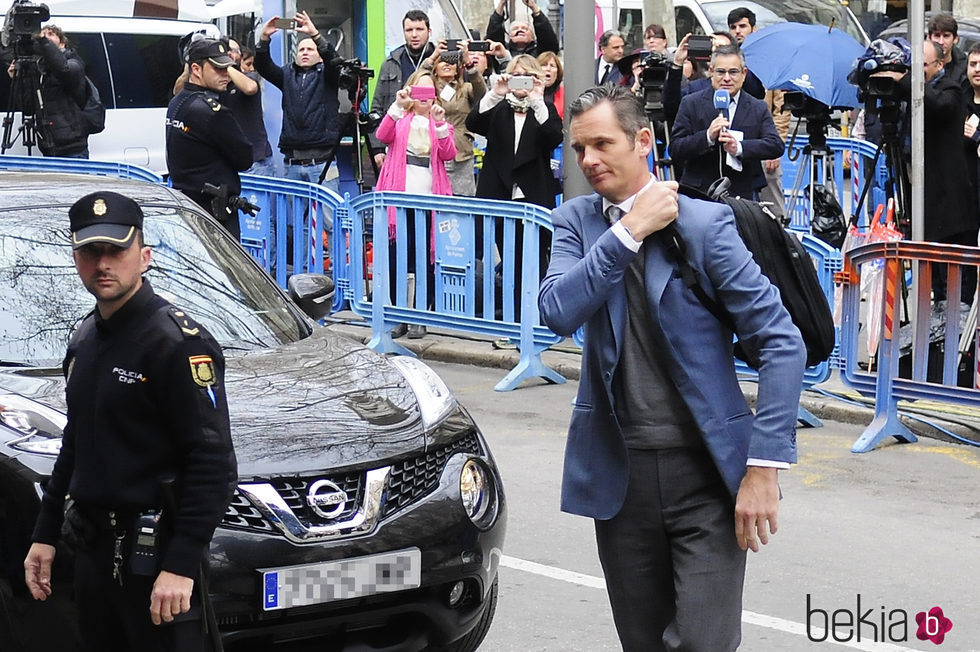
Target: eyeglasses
{"type": "Point", "coordinates": [731, 72]}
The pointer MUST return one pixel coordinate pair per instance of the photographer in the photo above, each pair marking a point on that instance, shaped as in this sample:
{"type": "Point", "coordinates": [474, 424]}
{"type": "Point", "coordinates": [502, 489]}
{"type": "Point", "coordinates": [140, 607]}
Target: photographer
{"type": "Point", "coordinates": [311, 119]}
{"type": "Point", "coordinates": [60, 76]}
{"type": "Point", "coordinates": [205, 144]}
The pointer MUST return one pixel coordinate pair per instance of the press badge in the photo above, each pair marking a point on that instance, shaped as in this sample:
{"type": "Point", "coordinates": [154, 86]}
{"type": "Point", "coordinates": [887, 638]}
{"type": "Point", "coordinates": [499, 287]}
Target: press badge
{"type": "Point", "coordinates": [447, 94]}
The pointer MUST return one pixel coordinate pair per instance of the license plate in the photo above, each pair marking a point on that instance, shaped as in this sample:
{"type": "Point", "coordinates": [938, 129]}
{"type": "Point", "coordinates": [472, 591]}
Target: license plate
{"type": "Point", "coordinates": [298, 586]}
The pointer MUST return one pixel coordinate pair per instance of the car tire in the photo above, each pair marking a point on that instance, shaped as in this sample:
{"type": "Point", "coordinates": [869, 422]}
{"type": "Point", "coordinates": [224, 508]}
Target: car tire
{"type": "Point", "coordinates": [471, 641]}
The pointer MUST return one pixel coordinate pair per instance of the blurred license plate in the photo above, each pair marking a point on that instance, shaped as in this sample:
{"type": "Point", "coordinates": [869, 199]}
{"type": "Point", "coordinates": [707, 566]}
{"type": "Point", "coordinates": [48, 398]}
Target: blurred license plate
{"type": "Point", "coordinates": [297, 586]}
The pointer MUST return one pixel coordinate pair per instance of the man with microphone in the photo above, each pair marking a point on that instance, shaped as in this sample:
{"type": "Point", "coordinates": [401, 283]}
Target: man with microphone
{"type": "Point", "coordinates": [723, 132]}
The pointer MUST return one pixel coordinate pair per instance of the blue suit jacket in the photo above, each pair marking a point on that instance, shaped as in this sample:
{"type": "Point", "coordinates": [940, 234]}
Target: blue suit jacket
{"type": "Point", "coordinates": [615, 76]}
{"type": "Point", "coordinates": [689, 142]}
{"type": "Point", "coordinates": [584, 285]}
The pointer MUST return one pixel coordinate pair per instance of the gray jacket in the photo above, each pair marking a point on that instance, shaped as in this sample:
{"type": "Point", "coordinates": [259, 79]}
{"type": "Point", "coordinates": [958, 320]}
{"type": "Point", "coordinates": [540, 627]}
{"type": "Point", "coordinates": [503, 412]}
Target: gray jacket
{"type": "Point", "coordinates": [389, 82]}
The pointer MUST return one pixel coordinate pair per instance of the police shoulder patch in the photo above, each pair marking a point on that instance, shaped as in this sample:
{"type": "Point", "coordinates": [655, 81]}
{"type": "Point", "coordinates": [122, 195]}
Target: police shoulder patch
{"type": "Point", "coordinates": [202, 370]}
{"type": "Point", "coordinates": [187, 326]}
{"type": "Point", "coordinates": [213, 103]}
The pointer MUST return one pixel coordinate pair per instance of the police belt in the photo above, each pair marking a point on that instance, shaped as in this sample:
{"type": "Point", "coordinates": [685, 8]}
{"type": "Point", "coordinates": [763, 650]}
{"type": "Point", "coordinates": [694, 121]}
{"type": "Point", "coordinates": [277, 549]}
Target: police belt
{"type": "Point", "coordinates": [418, 161]}
{"type": "Point", "coordinates": [110, 519]}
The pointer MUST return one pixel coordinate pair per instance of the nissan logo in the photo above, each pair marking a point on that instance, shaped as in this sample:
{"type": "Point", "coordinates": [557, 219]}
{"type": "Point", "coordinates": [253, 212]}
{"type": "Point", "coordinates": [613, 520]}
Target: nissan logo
{"type": "Point", "coordinates": [326, 499]}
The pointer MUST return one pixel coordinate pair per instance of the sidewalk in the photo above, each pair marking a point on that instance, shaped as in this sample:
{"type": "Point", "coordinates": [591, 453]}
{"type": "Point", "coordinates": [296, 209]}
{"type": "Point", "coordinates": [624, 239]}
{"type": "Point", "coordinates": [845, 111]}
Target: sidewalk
{"type": "Point", "coordinates": [831, 400]}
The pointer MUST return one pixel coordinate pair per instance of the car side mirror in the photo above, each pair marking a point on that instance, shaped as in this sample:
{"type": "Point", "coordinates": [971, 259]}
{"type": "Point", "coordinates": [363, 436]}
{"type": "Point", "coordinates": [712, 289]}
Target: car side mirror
{"type": "Point", "coordinates": [313, 293]}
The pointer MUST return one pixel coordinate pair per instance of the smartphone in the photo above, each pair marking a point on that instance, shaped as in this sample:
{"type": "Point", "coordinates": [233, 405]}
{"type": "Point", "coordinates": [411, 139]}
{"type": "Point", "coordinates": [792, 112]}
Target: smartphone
{"type": "Point", "coordinates": [422, 92]}
{"type": "Point", "coordinates": [452, 44]}
{"type": "Point", "coordinates": [699, 47]}
{"type": "Point", "coordinates": [284, 23]}
{"type": "Point", "coordinates": [520, 83]}
{"type": "Point", "coordinates": [478, 46]}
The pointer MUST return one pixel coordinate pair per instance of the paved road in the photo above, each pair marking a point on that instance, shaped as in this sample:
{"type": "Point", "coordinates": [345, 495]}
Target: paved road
{"type": "Point", "coordinates": [898, 528]}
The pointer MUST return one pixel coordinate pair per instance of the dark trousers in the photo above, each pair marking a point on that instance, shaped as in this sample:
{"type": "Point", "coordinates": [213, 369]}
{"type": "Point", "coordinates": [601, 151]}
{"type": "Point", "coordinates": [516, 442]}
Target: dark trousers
{"type": "Point", "coordinates": [968, 274]}
{"type": "Point", "coordinates": [673, 570]}
{"type": "Point", "coordinates": [114, 618]}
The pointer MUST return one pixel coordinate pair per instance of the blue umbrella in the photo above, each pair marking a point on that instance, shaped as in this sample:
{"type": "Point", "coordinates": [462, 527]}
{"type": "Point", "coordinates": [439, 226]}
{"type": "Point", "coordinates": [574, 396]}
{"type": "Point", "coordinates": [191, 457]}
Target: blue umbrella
{"type": "Point", "coordinates": [812, 59]}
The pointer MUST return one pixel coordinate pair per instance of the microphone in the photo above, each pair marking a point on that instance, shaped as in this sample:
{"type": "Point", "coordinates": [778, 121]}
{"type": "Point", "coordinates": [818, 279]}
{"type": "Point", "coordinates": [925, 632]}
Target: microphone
{"type": "Point", "coordinates": [722, 101]}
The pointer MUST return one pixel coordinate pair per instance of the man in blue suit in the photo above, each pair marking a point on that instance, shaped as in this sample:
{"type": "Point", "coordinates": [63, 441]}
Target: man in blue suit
{"type": "Point", "coordinates": [732, 143]}
{"type": "Point", "coordinates": [663, 451]}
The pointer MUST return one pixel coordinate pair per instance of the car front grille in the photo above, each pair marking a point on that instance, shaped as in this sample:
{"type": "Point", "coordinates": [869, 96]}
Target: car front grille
{"type": "Point", "coordinates": [408, 481]}
{"type": "Point", "coordinates": [414, 478]}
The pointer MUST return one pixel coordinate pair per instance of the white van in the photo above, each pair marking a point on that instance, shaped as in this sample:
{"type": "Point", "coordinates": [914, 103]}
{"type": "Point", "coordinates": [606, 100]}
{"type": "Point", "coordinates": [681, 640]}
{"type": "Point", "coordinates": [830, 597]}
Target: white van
{"type": "Point", "coordinates": [133, 62]}
{"type": "Point", "coordinates": [707, 16]}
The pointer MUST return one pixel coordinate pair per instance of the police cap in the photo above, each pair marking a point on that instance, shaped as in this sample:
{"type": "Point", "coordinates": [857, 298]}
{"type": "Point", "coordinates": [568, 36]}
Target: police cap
{"type": "Point", "coordinates": [213, 50]}
{"type": "Point", "coordinates": [104, 217]}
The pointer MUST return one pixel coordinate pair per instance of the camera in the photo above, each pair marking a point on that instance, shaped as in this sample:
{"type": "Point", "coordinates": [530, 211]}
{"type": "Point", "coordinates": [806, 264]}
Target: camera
{"type": "Point", "coordinates": [652, 79]}
{"type": "Point", "coordinates": [352, 70]}
{"type": "Point", "coordinates": [699, 47]}
{"type": "Point", "coordinates": [520, 83]}
{"type": "Point", "coordinates": [478, 46]}
{"type": "Point", "coordinates": [23, 20]}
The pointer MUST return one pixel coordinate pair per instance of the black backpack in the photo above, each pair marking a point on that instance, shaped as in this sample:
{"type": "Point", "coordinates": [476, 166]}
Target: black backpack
{"type": "Point", "coordinates": [785, 263]}
{"type": "Point", "coordinates": [93, 111]}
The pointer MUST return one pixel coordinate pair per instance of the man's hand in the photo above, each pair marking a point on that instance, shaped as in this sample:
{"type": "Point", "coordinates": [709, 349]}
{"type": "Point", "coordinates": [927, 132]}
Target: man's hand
{"type": "Point", "coordinates": [269, 29]}
{"type": "Point", "coordinates": [756, 506]}
{"type": "Point", "coordinates": [717, 125]}
{"type": "Point", "coordinates": [728, 142]}
{"type": "Point", "coordinates": [304, 24]}
{"type": "Point", "coordinates": [773, 163]}
{"type": "Point", "coordinates": [171, 595]}
{"type": "Point", "coordinates": [533, 6]}
{"type": "Point", "coordinates": [500, 7]}
{"type": "Point", "coordinates": [37, 570]}
{"type": "Point", "coordinates": [497, 49]}
{"type": "Point", "coordinates": [654, 208]}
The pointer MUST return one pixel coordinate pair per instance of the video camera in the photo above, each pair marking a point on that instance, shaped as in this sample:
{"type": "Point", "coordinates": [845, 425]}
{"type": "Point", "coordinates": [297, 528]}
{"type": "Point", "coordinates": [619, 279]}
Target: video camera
{"type": "Point", "coordinates": [22, 21]}
{"type": "Point", "coordinates": [652, 79]}
{"type": "Point", "coordinates": [893, 55]}
{"type": "Point", "coordinates": [352, 70]}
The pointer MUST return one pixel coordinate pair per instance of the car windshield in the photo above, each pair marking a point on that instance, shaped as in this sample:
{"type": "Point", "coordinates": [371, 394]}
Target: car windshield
{"type": "Point", "coordinates": [769, 12]}
{"type": "Point", "coordinates": [194, 265]}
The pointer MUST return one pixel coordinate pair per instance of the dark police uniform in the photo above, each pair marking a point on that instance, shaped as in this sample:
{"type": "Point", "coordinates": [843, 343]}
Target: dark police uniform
{"type": "Point", "coordinates": [146, 402]}
{"type": "Point", "coordinates": [205, 144]}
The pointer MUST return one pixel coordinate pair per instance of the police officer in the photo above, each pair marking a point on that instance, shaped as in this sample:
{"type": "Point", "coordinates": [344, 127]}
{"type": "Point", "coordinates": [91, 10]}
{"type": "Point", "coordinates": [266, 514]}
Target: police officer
{"type": "Point", "coordinates": [205, 144]}
{"type": "Point", "coordinates": [146, 403]}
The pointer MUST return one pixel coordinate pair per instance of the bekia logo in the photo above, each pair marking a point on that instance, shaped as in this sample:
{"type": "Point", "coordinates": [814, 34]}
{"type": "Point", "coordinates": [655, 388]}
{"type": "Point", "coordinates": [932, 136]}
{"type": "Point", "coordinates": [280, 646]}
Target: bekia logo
{"type": "Point", "coordinates": [878, 624]}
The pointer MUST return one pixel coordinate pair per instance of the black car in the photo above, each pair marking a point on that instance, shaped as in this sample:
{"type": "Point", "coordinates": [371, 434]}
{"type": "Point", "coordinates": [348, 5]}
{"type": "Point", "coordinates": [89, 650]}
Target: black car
{"type": "Point", "coordinates": [350, 463]}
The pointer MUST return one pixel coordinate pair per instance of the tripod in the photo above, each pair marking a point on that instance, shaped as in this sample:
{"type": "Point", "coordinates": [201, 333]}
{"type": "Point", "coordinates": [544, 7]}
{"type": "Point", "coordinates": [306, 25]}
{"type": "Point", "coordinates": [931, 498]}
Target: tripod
{"type": "Point", "coordinates": [352, 127]}
{"type": "Point", "coordinates": [817, 161]}
{"type": "Point", "coordinates": [663, 166]}
{"type": "Point", "coordinates": [25, 94]}
{"type": "Point", "coordinates": [897, 183]}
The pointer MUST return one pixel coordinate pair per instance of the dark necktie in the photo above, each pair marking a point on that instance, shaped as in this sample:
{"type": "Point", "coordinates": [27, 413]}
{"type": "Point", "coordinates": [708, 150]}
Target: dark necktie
{"type": "Point", "coordinates": [605, 75]}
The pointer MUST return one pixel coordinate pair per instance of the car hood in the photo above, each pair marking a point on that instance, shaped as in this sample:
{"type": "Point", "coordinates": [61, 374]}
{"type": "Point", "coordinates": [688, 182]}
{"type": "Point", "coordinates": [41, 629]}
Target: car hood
{"type": "Point", "coordinates": [323, 402]}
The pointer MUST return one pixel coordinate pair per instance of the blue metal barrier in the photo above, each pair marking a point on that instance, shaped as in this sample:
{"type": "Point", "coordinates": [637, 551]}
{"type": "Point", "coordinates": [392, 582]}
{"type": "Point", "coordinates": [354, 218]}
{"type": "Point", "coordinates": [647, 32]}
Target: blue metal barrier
{"type": "Point", "coordinates": [828, 261]}
{"type": "Point", "coordinates": [798, 207]}
{"type": "Point", "coordinates": [78, 165]}
{"type": "Point", "coordinates": [463, 293]}
{"type": "Point", "coordinates": [884, 380]}
{"type": "Point", "coordinates": [297, 208]}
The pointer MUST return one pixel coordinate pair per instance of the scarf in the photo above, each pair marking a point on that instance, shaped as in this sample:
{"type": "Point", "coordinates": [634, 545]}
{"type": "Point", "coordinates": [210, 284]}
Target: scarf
{"type": "Point", "coordinates": [519, 105]}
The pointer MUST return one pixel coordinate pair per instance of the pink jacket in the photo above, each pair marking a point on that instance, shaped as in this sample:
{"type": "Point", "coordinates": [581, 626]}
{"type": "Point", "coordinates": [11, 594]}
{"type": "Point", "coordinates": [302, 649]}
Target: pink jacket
{"type": "Point", "coordinates": [392, 174]}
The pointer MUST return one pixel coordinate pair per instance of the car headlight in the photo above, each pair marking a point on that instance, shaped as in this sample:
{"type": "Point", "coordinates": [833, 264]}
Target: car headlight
{"type": "Point", "coordinates": [436, 401]}
{"type": "Point", "coordinates": [478, 493]}
{"type": "Point", "coordinates": [40, 425]}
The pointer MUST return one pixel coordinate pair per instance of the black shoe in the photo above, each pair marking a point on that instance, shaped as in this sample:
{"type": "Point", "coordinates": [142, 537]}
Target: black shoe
{"type": "Point", "coordinates": [399, 330]}
{"type": "Point", "coordinates": [416, 332]}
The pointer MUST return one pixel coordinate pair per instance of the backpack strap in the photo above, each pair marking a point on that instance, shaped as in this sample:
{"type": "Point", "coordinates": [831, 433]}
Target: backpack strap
{"type": "Point", "coordinates": [677, 249]}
